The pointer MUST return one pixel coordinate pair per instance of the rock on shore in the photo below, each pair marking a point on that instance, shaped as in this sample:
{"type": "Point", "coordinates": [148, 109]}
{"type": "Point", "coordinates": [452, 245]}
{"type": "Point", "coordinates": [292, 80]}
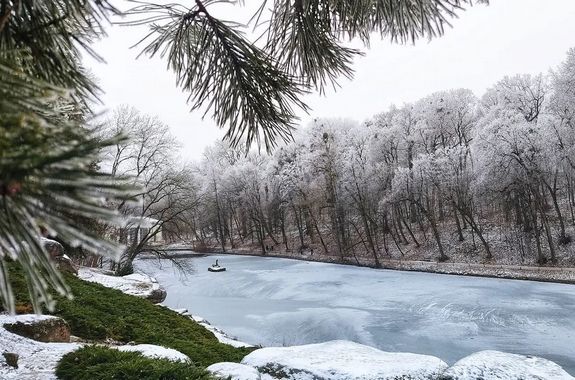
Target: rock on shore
{"type": "Point", "coordinates": [495, 365]}
{"type": "Point", "coordinates": [342, 360]}
{"type": "Point", "coordinates": [339, 360]}
{"type": "Point", "coordinates": [42, 328]}
{"type": "Point", "coordinates": [234, 371]}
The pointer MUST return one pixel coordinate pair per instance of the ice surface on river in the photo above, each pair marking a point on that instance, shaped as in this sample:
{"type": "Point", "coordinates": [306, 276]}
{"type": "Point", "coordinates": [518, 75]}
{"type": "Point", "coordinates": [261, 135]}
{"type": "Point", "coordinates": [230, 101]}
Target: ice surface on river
{"type": "Point", "coordinates": [275, 302]}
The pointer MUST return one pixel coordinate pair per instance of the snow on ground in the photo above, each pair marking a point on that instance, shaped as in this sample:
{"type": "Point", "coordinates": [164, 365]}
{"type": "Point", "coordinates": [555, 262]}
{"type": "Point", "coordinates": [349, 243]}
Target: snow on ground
{"type": "Point", "coordinates": [342, 360]}
{"type": "Point", "coordinates": [155, 352]}
{"type": "Point", "coordinates": [234, 371]}
{"type": "Point", "coordinates": [495, 365]}
{"type": "Point", "coordinates": [36, 360]}
{"type": "Point", "coordinates": [136, 284]}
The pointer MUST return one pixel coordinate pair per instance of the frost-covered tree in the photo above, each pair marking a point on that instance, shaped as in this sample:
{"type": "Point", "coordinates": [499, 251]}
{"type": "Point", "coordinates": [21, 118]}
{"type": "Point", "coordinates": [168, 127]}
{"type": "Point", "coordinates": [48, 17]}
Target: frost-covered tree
{"type": "Point", "coordinates": [560, 124]}
{"type": "Point", "coordinates": [291, 171]}
{"type": "Point", "coordinates": [511, 162]}
{"type": "Point", "coordinates": [444, 169]}
{"type": "Point", "coordinates": [363, 190]}
{"type": "Point", "coordinates": [328, 139]}
{"type": "Point", "coordinates": [446, 119]}
{"type": "Point", "coordinates": [446, 174]}
{"type": "Point", "coordinates": [216, 161]}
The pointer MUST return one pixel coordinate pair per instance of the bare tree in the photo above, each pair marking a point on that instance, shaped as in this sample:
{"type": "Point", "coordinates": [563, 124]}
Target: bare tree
{"type": "Point", "coordinates": [167, 193]}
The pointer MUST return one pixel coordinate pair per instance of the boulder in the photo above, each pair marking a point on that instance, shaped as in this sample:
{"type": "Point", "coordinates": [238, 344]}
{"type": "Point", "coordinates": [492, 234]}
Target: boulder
{"type": "Point", "coordinates": [157, 295]}
{"type": "Point", "coordinates": [495, 365]}
{"type": "Point", "coordinates": [76, 339]}
{"type": "Point", "coordinates": [54, 248]}
{"type": "Point", "coordinates": [56, 251]}
{"type": "Point", "coordinates": [43, 329]}
{"type": "Point", "coordinates": [234, 371]}
{"type": "Point", "coordinates": [148, 287]}
{"type": "Point", "coordinates": [339, 360]}
{"type": "Point", "coordinates": [65, 264]}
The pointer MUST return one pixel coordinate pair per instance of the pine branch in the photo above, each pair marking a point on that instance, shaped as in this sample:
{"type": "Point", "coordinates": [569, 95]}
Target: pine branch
{"type": "Point", "coordinates": [46, 181]}
{"type": "Point", "coordinates": [225, 74]}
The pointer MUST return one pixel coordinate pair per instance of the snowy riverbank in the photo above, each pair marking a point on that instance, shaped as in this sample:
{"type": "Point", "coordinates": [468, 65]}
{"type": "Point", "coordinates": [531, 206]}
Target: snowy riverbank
{"type": "Point", "coordinates": [335, 360]}
{"type": "Point", "coordinates": [513, 272]}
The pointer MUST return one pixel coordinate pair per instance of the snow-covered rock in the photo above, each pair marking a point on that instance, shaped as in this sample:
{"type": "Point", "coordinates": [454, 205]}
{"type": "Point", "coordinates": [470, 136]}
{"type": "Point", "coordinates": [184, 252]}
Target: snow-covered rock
{"type": "Point", "coordinates": [43, 328]}
{"type": "Point", "coordinates": [342, 360]}
{"type": "Point", "coordinates": [155, 352]}
{"type": "Point", "coordinates": [495, 365]}
{"type": "Point", "coordinates": [36, 360]}
{"type": "Point", "coordinates": [234, 371]}
{"type": "Point", "coordinates": [136, 284]}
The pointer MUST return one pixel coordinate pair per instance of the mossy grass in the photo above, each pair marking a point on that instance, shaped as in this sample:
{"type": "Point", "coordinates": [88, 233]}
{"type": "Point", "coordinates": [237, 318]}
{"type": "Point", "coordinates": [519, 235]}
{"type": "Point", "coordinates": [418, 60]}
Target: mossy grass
{"type": "Point", "coordinates": [102, 363]}
{"type": "Point", "coordinates": [97, 313]}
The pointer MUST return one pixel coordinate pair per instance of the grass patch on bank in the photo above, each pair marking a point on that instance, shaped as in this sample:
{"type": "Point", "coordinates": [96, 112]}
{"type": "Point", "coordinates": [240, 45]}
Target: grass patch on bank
{"type": "Point", "coordinates": [101, 363]}
{"type": "Point", "coordinates": [98, 313]}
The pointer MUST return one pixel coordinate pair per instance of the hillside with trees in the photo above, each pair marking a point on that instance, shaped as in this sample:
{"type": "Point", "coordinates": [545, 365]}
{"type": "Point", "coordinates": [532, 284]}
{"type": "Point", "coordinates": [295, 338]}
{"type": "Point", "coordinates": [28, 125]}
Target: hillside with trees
{"type": "Point", "coordinates": [451, 176]}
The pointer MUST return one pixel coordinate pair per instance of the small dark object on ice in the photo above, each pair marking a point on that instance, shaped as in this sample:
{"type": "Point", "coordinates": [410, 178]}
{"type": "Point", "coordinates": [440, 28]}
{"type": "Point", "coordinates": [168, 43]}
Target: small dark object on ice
{"type": "Point", "coordinates": [216, 268]}
{"type": "Point", "coordinates": [11, 359]}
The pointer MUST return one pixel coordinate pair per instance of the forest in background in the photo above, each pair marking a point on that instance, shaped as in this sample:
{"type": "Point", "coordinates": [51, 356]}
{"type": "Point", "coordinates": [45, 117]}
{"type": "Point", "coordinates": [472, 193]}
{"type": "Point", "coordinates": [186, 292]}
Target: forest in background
{"type": "Point", "coordinates": [448, 177]}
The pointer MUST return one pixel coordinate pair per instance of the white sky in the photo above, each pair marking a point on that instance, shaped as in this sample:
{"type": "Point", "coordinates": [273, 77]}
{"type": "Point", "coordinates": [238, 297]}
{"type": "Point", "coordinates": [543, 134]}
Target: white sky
{"type": "Point", "coordinates": [486, 43]}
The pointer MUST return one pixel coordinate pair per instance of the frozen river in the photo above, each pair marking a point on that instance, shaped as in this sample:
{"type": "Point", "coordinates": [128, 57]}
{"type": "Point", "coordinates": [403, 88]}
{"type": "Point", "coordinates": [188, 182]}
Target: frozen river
{"type": "Point", "coordinates": [271, 301]}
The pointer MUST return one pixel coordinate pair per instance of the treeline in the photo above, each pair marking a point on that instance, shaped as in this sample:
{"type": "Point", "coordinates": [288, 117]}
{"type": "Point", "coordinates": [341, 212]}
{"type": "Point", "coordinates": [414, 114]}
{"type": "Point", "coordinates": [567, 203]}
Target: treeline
{"type": "Point", "coordinates": [451, 176]}
{"type": "Point", "coordinates": [451, 173]}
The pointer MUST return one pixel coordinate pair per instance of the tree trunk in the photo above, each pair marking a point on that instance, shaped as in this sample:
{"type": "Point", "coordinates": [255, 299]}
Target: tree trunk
{"type": "Point", "coordinates": [410, 233]}
{"type": "Point", "coordinates": [299, 224]}
{"type": "Point", "coordinates": [457, 223]}
{"type": "Point", "coordinates": [435, 231]}
{"type": "Point", "coordinates": [553, 192]}
{"type": "Point", "coordinates": [326, 251]}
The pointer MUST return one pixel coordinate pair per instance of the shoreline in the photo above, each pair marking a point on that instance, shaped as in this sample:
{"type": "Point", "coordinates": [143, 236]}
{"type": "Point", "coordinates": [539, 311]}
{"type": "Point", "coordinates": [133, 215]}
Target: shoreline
{"type": "Point", "coordinates": [557, 275]}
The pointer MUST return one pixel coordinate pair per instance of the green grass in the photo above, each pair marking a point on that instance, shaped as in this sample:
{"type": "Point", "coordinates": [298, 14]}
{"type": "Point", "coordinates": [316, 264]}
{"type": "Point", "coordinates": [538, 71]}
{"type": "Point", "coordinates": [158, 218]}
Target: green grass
{"type": "Point", "coordinates": [97, 313]}
{"type": "Point", "coordinates": [101, 363]}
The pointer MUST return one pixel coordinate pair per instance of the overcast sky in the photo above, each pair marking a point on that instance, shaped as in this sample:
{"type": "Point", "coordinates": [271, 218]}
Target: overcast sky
{"type": "Point", "coordinates": [485, 44]}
